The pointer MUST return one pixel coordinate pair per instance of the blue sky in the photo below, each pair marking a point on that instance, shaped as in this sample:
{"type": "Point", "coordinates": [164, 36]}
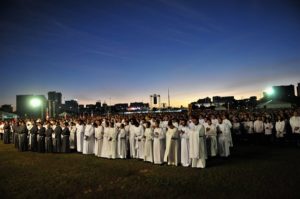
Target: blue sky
{"type": "Point", "coordinates": [127, 50]}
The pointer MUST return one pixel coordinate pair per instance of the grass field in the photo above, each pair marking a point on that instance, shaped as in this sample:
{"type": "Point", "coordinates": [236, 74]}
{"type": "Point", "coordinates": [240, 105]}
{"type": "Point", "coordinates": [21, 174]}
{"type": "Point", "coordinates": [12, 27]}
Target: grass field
{"type": "Point", "coordinates": [251, 172]}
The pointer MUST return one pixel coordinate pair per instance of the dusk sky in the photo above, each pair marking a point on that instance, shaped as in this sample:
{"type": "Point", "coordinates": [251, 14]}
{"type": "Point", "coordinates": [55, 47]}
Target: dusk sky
{"type": "Point", "coordinates": [127, 50]}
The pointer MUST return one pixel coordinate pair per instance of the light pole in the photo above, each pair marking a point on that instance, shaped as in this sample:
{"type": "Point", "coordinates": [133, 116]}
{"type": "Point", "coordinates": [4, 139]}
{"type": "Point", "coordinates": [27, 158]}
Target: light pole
{"type": "Point", "coordinates": [35, 103]}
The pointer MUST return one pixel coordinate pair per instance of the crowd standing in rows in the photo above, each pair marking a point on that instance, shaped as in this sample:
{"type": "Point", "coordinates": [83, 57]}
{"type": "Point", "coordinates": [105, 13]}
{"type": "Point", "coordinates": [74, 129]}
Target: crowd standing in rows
{"type": "Point", "coordinates": [171, 138]}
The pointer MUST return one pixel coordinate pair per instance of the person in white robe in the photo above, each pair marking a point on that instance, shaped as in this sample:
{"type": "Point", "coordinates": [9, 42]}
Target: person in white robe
{"type": "Point", "coordinates": [295, 125]}
{"type": "Point", "coordinates": [105, 144]}
{"type": "Point", "coordinates": [73, 136]}
{"type": "Point", "coordinates": [148, 149]}
{"type": "Point", "coordinates": [132, 140]}
{"type": "Point", "coordinates": [184, 143]}
{"type": "Point", "coordinates": [172, 154]}
{"type": "Point", "coordinates": [98, 138]}
{"type": "Point", "coordinates": [223, 130]}
{"type": "Point", "coordinates": [122, 150]}
{"type": "Point", "coordinates": [280, 129]}
{"type": "Point", "coordinates": [80, 128]}
{"type": "Point", "coordinates": [227, 121]}
{"type": "Point", "coordinates": [258, 128]}
{"type": "Point", "coordinates": [89, 138]}
{"type": "Point", "coordinates": [139, 140]}
{"type": "Point", "coordinates": [268, 131]}
{"type": "Point", "coordinates": [211, 138]}
{"type": "Point", "coordinates": [197, 144]}
{"type": "Point", "coordinates": [112, 141]}
{"type": "Point", "coordinates": [158, 143]}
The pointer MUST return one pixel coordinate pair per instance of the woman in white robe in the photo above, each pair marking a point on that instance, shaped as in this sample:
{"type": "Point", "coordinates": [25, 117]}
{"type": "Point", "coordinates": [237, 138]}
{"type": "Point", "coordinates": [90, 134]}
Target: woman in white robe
{"type": "Point", "coordinates": [98, 138]}
{"type": "Point", "coordinates": [172, 155]}
{"type": "Point", "coordinates": [158, 144]}
{"type": "Point", "coordinates": [122, 142]}
{"type": "Point", "coordinates": [149, 135]}
{"type": "Point", "coordinates": [89, 138]}
{"type": "Point", "coordinates": [185, 145]}
{"type": "Point", "coordinates": [211, 138]}
{"type": "Point", "coordinates": [223, 130]}
{"type": "Point", "coordinates": [105, 144]}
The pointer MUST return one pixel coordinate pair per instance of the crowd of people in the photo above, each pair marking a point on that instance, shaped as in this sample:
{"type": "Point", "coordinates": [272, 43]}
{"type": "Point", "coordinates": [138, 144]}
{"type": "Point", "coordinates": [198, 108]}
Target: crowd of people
{"type": "Point", "coordinates": [171, 138]}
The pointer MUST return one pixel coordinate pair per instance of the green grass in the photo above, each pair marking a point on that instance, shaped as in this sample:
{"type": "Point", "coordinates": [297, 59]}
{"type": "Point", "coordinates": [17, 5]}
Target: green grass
{"type": "Point", "coordinates": [251, 172]}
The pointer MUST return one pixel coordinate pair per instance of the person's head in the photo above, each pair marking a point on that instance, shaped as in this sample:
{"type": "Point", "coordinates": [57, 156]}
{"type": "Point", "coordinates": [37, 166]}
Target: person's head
{"type": "Point", "coordinates": [170, 124]}
{"type": "Point", "coordinates": [183, 122]}
{"type": "Point", "coordinates": [220, 120]}
{"type": "Point", "coordinates": [122, 126]}
{"type": "Point", "coordinates": [295, 113]}
{"type": "Point", "coordinates": [208, 121]}
{"type": "Point", "coordinates": [156, 123]}
{"type": "Point", "coordinates": [195, 119]}
{"type": "Point", "coordinates": [112, 125]}
{"type": "Point", "coordinates": [88, 121]}
{"type": "Point", "coordinates": [148, 124]}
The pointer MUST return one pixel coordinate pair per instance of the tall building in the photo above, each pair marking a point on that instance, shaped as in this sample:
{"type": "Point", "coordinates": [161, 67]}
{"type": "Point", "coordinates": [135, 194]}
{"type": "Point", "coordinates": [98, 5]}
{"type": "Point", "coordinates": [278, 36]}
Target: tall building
{"type": "Point", "coordinates": [154, 101]}
{"type": "Point", "coordinates": [298, 90]}
{"type": "Point", "coordinates": [71, 106]}
{"type": "Point", "coordinates": [54, 102]}
{"type": "Point", "coordinates": [283, 92]}
{"type": "Point", "coordinates": [31, 106]}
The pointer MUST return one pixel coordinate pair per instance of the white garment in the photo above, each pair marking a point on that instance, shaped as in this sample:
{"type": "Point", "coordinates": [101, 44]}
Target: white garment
{"type": "Point", "coordinates": [185, 146]}
{"type": "Point", "coordinates": [72, 137]}
{"type": "Point", "coordinates": [158, 145]}
{"type": "Point", "coordinates": [148, 149]}
{"type": "Point", "coordinates": [132, 141]}
{"type": "Point", "coordinates": [280, 128]}
{"type": "Point", "coordinates": [295, 123]}
{"type": "Point", "coordinates": [248, 125]}
{"type": "Point", "coordinates": [113, 136]}
{"type": "Point", "coordinates": [122, 144]}
{"type": "Point", "coordinates": [139, 141]}
{"type": "Point", "coordinates": [172, 156]}
{"type": "Point", "coordinates": [226, 121]}
{"type": "Point", "coordinates": [98, 140]}
{"type": "Point", "coordinates": [211, 139]}
{"type": "Point", "coordinates": [89, 139]}
{"type": "Point", "coordinates": [197, 146]}
{"type": "Point", "coordinates": [105, 144]}
{"type": "Point", "coordinates": [224, 140]}
{"type": "Point", "coordinates": [268, 128]}
{"type": "Point", "coordinates": [258, 126]}
{"type": "Point", "coordinates": [79, 136]}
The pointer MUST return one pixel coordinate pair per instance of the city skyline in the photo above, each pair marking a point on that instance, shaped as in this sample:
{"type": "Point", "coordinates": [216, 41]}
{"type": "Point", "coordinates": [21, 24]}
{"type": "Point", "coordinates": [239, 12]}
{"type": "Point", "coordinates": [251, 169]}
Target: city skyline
{"type": "Point", "coordinates": [127, 50]}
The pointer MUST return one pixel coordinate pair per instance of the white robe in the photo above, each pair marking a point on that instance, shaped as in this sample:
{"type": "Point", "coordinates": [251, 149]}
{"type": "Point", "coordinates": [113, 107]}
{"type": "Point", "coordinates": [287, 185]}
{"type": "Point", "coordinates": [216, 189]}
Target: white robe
{"type": "Point", "coordinates": [248, 125]}
{"type": "Point", "coordinates": [224, 140]}
{"type": "Point", "coordinates": [113, 148]}
{"type": "Point", "coordinates": [122, 144]}
{"type": "Point", "coordinates": [79, 137]}
{"type": "Point", "coordinates": [185, 146]}
{"type": "Point", "coordinates": [258, 126]}
{"type": "Point", "coordinates": [89, 139]}
{"type": "Point", "coordinates": [105, 144]}
{"type": "Point", "coordinates": [72, 137]}
{"type": "Point", "coordinates": [280, 129]}
{"type": "Point", "coordinates": [139, 141]}
{"type": "Point", "coordinates": [132, 141]}
{"type": "Point", "coordinates": [98, 140]}
{"type": "Point", "coordinates": [197, 146]}
{"type": "Point", "coordinates": [211, 139]}
{"type": "Point", "coordinates": [268, 128]}
{"type": "Point", "coordinates": [172, 156]}
{"type": "Point", "coordinates": [226, 121]}
{"type": "Point", "coordinates": [295, 123]}
{"type": "Point", "coordinates": [158, 145]}
{"type": "Point", "coordinates": [148, 149]}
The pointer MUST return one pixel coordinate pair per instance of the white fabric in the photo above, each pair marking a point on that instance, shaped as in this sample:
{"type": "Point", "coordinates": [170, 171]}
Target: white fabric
{"type": "Point", "coordinates": [197, 146]}
{"type": "Point", "coordinates": [98, 140]}
{"type": "Point", "coordinates": [122, 144]}
{"type": "Point", "coordinates": [295, 124]}
{"type": "Point", "coordinates": [148, 149]}
{"type": "Point", "coordinates": [79, 136]}
{"type": "Point", "coordinates": [158, 145]}
{"type": "Point", "coordinates": [185, 146]}
{"type": "Point", "coordinates": [172, 147]}
{"type": "Point", "coordinates": [224, 140]}
{"type": "Point", "coordinates": [89, 139]}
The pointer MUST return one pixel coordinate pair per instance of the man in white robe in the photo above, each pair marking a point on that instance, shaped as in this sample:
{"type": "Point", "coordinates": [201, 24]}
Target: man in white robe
{"type": "Point", "coordinates": [113, 136]}
{"type": "Point", "coordinates": [89, 138]}
{"type": "Point", "coordinates": [184, 145]}
{"type": "Point", "coordinates": [148, 149]}
{"type": "Point", "coordinates": [211, 138]}
{"type": "Point", "coordinates": [158, 144]}
{"type": "Point", "coordinates": [122, 151]}
{"type": "Point", "coordinates": [223, 138]}
{"type": "Point", "coordinates": [79, 135]}
{"type": "Point", "coordinates": [140, 141]}
{"type": "Point", "coordinates": [98, 138]}
{"type": "Point", "coordinates": [105, 144]}
{"type": "Point", "coordinates": [172, 154]}
{"type": "Point", "coordinates": [132, 139]}
{"type": "Point", "coordinates": [197, 144]}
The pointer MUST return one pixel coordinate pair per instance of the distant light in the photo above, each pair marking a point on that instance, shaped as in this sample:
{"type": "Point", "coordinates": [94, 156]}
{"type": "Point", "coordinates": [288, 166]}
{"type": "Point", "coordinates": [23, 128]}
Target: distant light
{"type": "Point", "coordinates": [270, 91]}
{"type": "Point", "coordinates": [35, 102]}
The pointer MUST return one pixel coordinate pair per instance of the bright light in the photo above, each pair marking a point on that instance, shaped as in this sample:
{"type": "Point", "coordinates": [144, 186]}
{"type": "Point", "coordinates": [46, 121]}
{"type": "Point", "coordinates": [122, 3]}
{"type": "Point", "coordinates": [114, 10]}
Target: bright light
{"type": "Point", "coordinates": [35, 102]}
{"type": "Point", "coordinates": [270, 91]}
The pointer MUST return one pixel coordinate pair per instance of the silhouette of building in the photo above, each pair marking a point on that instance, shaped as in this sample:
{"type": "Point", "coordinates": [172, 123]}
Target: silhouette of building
{"type": "Point", "coordinates": [54, 103]}
{"type": "Point", "coordinates": [7, 108]}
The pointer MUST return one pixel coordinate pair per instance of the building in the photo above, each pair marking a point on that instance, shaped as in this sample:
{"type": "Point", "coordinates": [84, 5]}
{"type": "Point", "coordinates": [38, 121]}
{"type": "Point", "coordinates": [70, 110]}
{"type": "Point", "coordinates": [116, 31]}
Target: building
{"type": "Point", "coordinates": [54, 102]}
{"type": "Point", "coordinates": [71, 106]}
{"type": "Point", "coordinates": [121, 107]}
{"type": "Point", "coordinates": [154, 101]}
{"type": "Point", "coordinates": [298, 90]}
{"type": "Point", "coordinates": [137, 106]}
{"type": "Point", "coordinates": [31, 106]}
{"type": "Point", "coordinates": [7, 108]}
{"type": "Point", "coordinates": [282, 92]}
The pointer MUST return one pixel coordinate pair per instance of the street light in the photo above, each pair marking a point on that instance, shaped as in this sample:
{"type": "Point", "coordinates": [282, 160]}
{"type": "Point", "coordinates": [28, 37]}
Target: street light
{"type": "Point", "coordinates": [35, 103]}
{"type": "Point", "coordinates": [270, 91]}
